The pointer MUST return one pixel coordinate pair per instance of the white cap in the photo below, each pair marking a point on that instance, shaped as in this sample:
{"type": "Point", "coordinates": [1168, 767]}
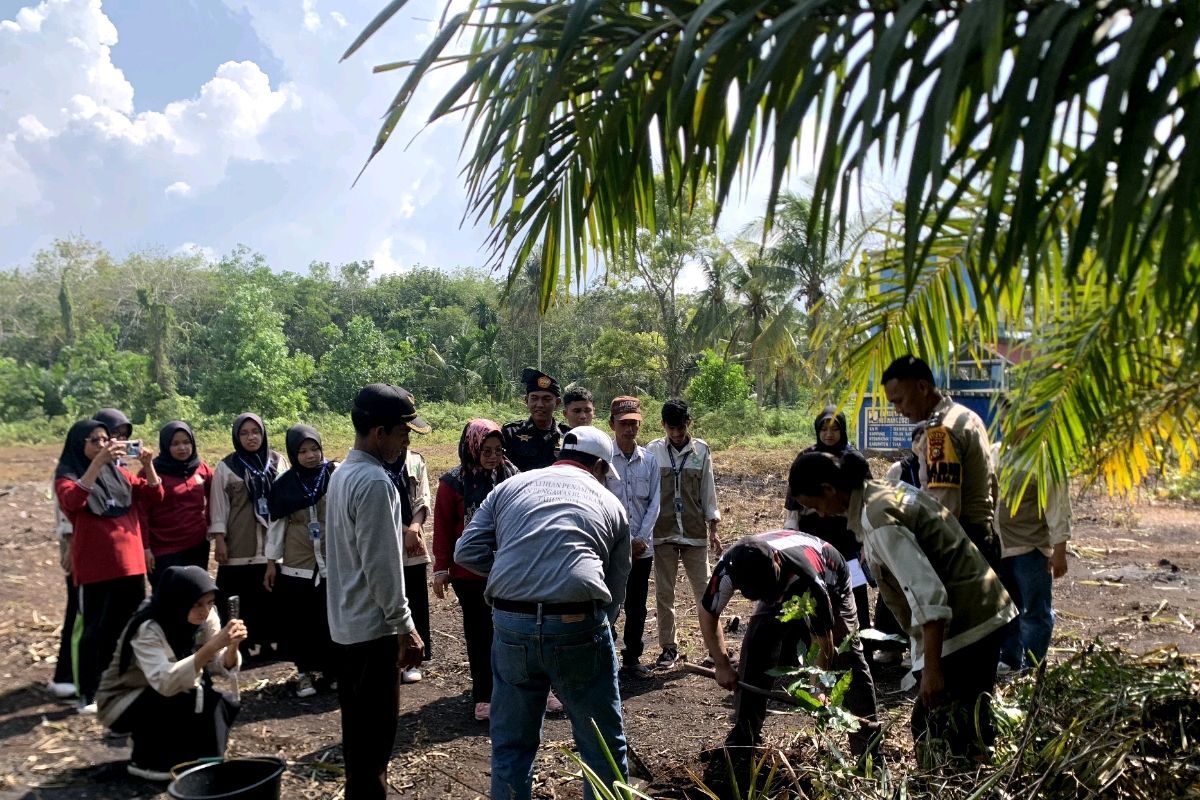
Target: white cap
{"type": "Point", "coordinates": [586, 439]}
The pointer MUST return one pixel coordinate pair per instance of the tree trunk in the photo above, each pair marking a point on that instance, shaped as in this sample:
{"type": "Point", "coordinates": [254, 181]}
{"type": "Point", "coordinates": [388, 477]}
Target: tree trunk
{"type": "Point", "coordinates": [66, 309]}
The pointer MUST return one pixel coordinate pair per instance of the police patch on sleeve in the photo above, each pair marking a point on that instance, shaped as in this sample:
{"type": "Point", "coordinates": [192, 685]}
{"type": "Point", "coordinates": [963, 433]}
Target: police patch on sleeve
{"type": "Point", "coordinates": [944, 464]}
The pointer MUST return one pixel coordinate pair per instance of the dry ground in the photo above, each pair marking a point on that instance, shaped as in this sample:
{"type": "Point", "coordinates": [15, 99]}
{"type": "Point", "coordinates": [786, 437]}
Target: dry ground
{"type": "Point", "coordinates": [1134, 581]}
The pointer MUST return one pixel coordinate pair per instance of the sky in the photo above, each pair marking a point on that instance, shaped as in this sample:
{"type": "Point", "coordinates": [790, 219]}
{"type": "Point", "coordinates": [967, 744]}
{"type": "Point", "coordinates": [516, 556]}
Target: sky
{"type": "Point", "coordinates": [205, 124]}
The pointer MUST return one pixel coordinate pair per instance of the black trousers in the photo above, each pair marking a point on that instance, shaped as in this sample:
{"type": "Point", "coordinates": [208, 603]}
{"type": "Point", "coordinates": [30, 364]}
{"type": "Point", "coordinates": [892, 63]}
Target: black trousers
{"type": "Point", "coordinates": [637, 589]}
{"type": "Point", "coordinates": [258, 605]}
{"type": "Point", "coordinates": [105, 606]}
{"type": "Point", "coordinates": [970, 677]}
{"type": "Point", "coordinates": [194, 556]}
{"type": "Point", "coordinates": [64, 669]}
{"type": "Point", "coordinates": [416, 590]}
{"type": "Point", "coordinates": [477, 629]}
{"type": "Point", "coordinates": [167, 731]}
{"type": "Point", "coordinates": [769, 643]}
{"type": "Point", "coordinates": [862, 602]}
{"type": "Point", "coordinates": [369, 694]}
{"type": "Point", "coordinates": [304, 629]}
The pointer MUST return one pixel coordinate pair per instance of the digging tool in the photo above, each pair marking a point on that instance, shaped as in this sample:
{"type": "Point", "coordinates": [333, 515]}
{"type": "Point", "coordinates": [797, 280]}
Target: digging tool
{"type": "Point", "coordinates": [782, 697]}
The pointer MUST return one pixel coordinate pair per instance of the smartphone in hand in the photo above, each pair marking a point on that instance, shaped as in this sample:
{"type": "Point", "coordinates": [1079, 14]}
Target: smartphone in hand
{"type": "Point", "coordinates": [133, 447]}
{"type": "Point", "coordinates": [234, 607]}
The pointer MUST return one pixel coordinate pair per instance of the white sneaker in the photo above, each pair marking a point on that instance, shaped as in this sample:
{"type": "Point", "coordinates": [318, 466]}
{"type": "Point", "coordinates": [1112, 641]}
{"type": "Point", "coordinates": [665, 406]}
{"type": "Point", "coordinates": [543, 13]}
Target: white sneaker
{"type": "Point", "coordinates": [1003, 669]}
{"type": "Point", "coordinates": [147, 774]}
{"type": "Point", "coordinates": [61, 690]}
{"type": "Point", "coordinates": [88, 708]}
{"type": "Point", "coordinates": [553, 704]}
{"type": "Point", "coordinates": [304, 685]}
{"type": "Point", "coordinates": [411, 676]}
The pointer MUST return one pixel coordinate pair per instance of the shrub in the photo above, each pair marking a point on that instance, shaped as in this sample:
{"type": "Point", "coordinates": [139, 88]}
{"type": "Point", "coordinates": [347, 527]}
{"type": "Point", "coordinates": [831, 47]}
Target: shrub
{"type": "Point", "coordinates": [718, 383]}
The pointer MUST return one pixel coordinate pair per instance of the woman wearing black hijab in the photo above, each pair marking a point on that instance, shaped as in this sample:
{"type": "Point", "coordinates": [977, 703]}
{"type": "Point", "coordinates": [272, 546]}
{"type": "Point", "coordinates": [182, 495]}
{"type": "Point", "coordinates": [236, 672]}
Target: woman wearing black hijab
{"type": "Point", "coordinates": [108, 560]}
{"type": "Point", "coordinates": [832, 438]}
{"type": "Point", "coordinates": [119, 426]}
{"type": "Point", "coordinates": [63, 684]}
{"type": "Point", "coordinates": [296, 557]}
{"type": "Point", "coordinates": [178, 526]}
{"type": "Point", "coordinates": [239, 516]}
{"type": "Point", "coordinates": [159, 687]}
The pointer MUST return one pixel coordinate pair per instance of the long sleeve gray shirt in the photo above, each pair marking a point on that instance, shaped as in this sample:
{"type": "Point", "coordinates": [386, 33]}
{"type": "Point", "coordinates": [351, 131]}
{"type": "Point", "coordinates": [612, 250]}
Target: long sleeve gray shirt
{"type": "Point", "coordinates": [553, 535]}
{"type": "Point", "coordinates": [364, 553]}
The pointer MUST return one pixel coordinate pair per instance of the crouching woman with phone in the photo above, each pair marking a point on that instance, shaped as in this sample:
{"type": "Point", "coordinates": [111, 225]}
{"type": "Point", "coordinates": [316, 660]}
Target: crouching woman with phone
{"type": "Point", "coordinates": [159, 686]}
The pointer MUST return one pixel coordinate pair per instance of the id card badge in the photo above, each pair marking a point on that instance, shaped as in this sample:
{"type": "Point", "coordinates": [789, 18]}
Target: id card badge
{"type": "Point", "coordinates": [314, 530]}
{"type": "Point", "coordinates": [260, 507]}
{"type": "Point", "coordinates": [678, 505]}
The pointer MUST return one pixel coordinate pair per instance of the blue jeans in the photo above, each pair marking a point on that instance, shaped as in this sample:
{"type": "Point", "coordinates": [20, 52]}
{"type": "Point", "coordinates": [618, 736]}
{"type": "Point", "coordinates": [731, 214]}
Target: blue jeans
{"type": "Point", "coordinates": [576, 656]}
{"type": "Point", "coordinates": [1030, 583]}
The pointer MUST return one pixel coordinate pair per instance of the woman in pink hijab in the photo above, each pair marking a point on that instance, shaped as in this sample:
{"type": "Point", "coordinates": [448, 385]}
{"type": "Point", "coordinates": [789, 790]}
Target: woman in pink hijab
{"type": "Point", "coordinates": [460, 493]}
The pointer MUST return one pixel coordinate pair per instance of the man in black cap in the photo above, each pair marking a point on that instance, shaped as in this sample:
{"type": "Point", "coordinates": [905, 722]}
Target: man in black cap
{"type": "Point", "coordinates": [368, 608]}
{"type": "Point", "coordinates": [534, 443]}
{"type": "Point", "coordinates": [771, 568]}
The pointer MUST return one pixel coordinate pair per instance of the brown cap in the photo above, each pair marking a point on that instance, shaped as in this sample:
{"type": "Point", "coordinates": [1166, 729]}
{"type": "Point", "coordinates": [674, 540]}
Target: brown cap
{"type": "Point", "coordinates": [625, 407]}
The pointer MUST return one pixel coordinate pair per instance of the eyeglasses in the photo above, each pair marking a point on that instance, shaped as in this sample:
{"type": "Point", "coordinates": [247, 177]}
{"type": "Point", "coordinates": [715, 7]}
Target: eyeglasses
{"type": "Point", "coordinates": [98, 440]}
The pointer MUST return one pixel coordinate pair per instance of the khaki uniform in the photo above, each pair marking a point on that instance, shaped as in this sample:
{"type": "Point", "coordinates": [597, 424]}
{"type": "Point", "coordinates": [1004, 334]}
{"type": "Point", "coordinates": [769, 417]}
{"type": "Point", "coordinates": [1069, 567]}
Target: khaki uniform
{"type": "Point", "coordinates": [681, 531]}
{"type": "Point", "coordinates": [232, 513]}
{"type": "Point", "coordinates": [926, 567]}
{"type": "Point", "coordinates": [955, 457]}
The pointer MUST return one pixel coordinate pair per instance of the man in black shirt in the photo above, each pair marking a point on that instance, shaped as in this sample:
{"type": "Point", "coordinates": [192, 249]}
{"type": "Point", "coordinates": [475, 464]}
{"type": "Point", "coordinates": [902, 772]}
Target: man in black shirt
{"type": "Point", "coordinates": [771, 568]}
{"type": "Point", "coordinates": [533, 443]}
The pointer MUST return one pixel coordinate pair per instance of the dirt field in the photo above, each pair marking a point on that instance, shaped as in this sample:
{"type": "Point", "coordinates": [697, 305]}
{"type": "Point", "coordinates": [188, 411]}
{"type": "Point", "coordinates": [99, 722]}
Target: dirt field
{"type": "Point", "coordinates": [1134, 581]}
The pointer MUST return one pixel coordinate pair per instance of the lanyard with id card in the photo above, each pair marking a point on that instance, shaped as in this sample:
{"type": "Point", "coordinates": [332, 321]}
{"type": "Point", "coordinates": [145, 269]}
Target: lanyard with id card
{"type": "Point", "coordinates": [677, 471]}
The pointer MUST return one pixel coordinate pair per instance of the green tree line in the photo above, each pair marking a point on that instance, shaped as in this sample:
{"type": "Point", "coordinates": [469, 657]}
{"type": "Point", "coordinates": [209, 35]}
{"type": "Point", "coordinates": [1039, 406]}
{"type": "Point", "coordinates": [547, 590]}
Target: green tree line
{"type": "Point", "coordinates": [174, 335]}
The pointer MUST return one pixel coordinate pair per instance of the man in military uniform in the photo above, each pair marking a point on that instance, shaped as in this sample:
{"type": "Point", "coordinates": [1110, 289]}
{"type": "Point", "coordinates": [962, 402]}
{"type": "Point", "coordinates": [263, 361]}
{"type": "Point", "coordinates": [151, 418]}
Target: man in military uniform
{"type": "Point", "coordinates": [954, 452]}
{"type": "Point", "coordinates": [533, 443]}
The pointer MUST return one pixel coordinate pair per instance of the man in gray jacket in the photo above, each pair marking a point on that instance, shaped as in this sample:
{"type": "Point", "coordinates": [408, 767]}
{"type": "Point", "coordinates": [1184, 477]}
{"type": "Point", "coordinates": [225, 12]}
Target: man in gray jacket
{"type": "Point", "coordinates": [554, 544]}
{"type": "Point", "coordinates": [368, 612]}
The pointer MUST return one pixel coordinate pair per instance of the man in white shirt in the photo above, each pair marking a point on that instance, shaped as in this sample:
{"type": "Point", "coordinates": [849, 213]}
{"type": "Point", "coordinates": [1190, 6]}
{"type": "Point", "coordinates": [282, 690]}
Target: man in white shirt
{"type": "Point", "coordinates": [639, 490]}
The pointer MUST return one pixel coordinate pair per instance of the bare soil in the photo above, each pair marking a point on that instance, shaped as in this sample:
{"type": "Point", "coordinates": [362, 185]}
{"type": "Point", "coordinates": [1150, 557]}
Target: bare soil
{"type": "Point", "coordinates": [1134, 581]}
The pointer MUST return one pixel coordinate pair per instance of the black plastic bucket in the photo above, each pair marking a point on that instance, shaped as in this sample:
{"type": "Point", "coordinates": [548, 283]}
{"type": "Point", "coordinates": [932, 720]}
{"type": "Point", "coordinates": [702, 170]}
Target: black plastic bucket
{"type": "Point", "coordinates": [235, 779]}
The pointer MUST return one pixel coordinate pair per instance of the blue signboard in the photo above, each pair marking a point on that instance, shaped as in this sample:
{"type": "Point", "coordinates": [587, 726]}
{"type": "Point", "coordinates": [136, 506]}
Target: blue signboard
{"type": "Point", "coordinates": [881, 428]}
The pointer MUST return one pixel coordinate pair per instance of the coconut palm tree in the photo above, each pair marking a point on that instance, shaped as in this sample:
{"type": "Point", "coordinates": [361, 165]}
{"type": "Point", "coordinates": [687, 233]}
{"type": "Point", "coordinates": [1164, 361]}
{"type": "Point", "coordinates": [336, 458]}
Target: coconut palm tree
{"type": "Point", "coordinates": [1075, 128]}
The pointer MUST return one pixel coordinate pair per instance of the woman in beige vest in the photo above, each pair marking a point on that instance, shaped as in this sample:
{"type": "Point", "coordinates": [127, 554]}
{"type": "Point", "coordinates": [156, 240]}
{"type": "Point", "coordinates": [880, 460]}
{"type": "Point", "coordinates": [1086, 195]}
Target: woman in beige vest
{"type": "Point", "coordinates": [238, 526]}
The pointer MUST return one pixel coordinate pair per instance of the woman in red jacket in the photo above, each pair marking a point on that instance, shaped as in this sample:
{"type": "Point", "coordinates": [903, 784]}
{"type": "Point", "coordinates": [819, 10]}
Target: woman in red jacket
{"type": "Point", "coordinates": [108, 553]}
{"type": "Point", "coordinates": [460, 493]}
{"type": "Point", "coordinates": [177, 528]}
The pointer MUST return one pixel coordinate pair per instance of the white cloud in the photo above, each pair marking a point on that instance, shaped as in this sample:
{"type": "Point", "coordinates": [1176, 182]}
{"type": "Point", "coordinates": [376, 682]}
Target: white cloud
{"type": "Point", "coordinates": [193, 249]}
{"type": "Point", "coordinates": [31, 129]}
{"type": "Point", "coordinates": [63, 98]}
{"type": "Point", "coordinates": [385, 262]}
{"type": "Point", "coordinates": [312, 20]}
{"type": "Point", "coordinates": [265, 162]}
